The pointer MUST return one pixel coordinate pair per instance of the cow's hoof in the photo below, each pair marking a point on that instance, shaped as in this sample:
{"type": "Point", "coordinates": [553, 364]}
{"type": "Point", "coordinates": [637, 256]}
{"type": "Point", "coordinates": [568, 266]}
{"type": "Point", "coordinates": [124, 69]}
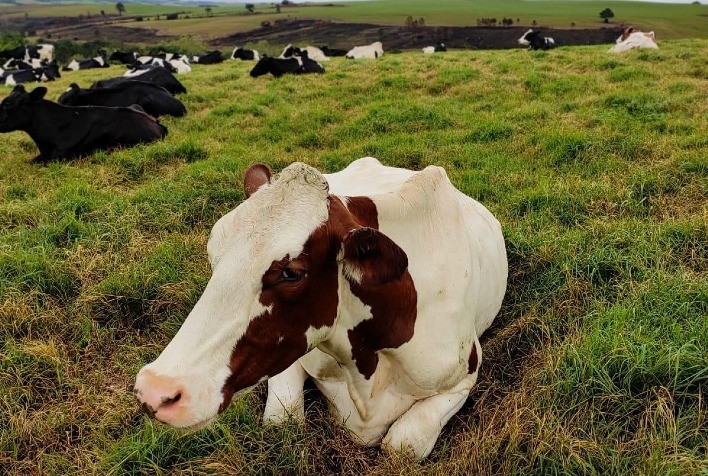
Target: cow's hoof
{"type": "Point", "coordinates": [414, 439]}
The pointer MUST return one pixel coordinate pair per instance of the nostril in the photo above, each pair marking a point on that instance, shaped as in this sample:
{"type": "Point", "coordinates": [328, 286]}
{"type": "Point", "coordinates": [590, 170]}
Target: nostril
{"type": "Point", "coordinates": [166, 401]}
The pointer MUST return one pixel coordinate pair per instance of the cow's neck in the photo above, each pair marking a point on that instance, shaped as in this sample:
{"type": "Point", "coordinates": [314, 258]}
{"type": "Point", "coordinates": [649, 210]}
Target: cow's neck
{"type": "Point", "coordinates": [43, 129]}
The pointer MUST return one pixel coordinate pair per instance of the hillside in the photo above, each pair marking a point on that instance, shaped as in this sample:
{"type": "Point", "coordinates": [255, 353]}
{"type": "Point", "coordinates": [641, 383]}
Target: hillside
{"type": "Point", "coordinates": [594, 164]}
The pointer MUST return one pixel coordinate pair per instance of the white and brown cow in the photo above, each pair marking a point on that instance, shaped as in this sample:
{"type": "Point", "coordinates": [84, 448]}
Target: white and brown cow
{"type": "Point", "coordinates": [632, 38]}
{"type": "Point", "coordinates": [375, 281]}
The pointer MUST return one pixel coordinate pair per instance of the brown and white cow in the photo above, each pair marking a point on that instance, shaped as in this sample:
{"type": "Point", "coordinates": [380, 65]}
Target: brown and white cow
{"type": "Point", "coordinates": [375, 281]}
{"type": "Point", "coordinates": [632, 38]}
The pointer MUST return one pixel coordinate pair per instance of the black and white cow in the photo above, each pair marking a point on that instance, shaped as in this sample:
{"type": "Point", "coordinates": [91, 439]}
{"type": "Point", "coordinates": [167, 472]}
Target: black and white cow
{"type": "Point", "coordinates": [144, 64]}
{"type": "Point", "coordinates": [24, 64]}
{"type": "Point", "coordinates": [245, 55]}
{"type": "Point", "coordinates": [535, 42]}
{"type": "Point", "coordinates": [290, 51]}
{"type": "Point", "coordinates": [124, 58]}
{"type": "Point", "coordinates": [48, 72]}
{"type": "Point", "coordinates": [155, 75]}
{"type": "Point", "coordinates": [211, 57]}
{"type": "Point", "coordinates": [99, 61]}
{"type": "Point", "coordinates": [440, 47]}
{"type": "Point", "coordinates": [155, 100]}
{"type": "Point", "coordinates": [176, 64]}
{"type": "Point", "coordinates": [281, 66]}
{"type": "Point", "coordinates": [330, 52]}
{"type": "Point", "coordinates": [65, 132]}
{"type": "Point", "coordinates": [40, 52]}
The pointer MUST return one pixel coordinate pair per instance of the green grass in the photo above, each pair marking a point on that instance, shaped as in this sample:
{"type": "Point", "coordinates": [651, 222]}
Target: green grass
{"type": "Point", "coordinates": [667, 20]}
{"type": "Point", "coordinates": [594, 164]}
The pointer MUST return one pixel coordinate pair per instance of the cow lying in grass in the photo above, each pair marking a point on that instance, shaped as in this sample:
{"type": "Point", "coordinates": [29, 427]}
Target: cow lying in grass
{"type": "Point", "coordinates": [372, 51]}
{"type": "Point", "coordinates": [99, 61]}
{"type": "Point", "coordinates": [535, 41]}
{"type": "Point", "coordinates": [64, 132]}
{"type": "Point", "coordinates": [48, 72]}
{"type": "Point", "coordinates": [281, 66]}
{"type": "Point", "coordinates": [155, 75]}
{"type": "Point", "coordinates": [154, 100]}
{"type": "Point", "coordinates": [348, 278]}
{"type": "Point", "coordinates": [631, 39]}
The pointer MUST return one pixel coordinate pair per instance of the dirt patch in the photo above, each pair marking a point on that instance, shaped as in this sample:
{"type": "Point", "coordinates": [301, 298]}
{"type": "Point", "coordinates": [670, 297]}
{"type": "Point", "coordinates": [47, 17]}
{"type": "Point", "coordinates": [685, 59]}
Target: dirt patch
{"type": "Point", "coordinates": [346, 35]}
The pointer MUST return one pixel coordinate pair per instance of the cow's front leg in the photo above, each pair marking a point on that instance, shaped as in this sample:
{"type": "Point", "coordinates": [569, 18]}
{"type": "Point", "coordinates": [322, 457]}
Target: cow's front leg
{"type": "Point", "coordinates": [285, 395]}
{"type": "Point", "coordinates": [417, 430]}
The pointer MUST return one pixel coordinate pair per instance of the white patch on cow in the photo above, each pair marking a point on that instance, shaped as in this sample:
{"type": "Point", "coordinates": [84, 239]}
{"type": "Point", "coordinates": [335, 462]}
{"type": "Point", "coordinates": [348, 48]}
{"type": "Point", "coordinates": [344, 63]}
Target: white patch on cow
{"type": "Point", "coordinates": [44, 78]}
{"type": "Point", "coordinates": [256, 56]}
{"type": "Point", "coordinates": [316, 54]}
{"type": "Point", "coordinates": [372, 51]}
{"type": "Point", "coordinates": [144, 59]}
{"type": "Point", "coordinates": [99, 60]}
{"type": "Point", "coordinates": [10, 80]}
{"type": "Point", "coordinates": [429, 49]}
{"type": "Point", "coordinates": [7, 63]}
{"type": "Point", "coordinates": [637, 39]}
{"type": "Point", "coordinates": [549, 41]}
{"type": "Point", "coordinates": [46, 52]}
{"type": "Point", "coordinates": [181, 65]}
{"type": "Point", "coordinates": [315, 335]}
{"type": "Point", "coordinates": [523, 40]}
{"type": "Point", "coordinates": [74, 65]}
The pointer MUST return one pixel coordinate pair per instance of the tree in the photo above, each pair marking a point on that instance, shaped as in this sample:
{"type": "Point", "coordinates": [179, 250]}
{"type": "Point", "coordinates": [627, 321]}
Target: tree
{"type": "Point", "coordinates": [277, 8]}
{"type": "Point", "coordinates": [421, 21]}
{"type": "Point", "coordinates": [606, 14]}
{"type": "Point", "coordinates": [120, 7]}
{"type": "Point", "coordinates": [409, 22]}
{"type": "Point", "coordinates": [208, 11]}
{"type": "Point", "coordinates": [534, 23]}
{"type": "Point", "coordinates": [250, 7]}
{"type": "Point", "coordinates": [572, 24]}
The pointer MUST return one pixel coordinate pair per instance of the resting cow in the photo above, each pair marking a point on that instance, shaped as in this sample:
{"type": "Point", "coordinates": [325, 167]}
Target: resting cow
{"type": "Point", "coordinates": [440, 47]}
{"type": "Point", "coordinates": [290, 51]}
{"type": "Point", "coordinates": [372, 51]}
{"type": "Point", "coordinates": [48, 72]}
{"type": "Point", "coordinates": [245, 55]}
{"type": "Point", "coordinates": [330, 52]}
{"type": "Point", "coordinates": [124, 58]}
{"type": "Point", "coordinates": [534, 41]}
{"type": "Point", "coordinates": [154, 100]}
{"type": "Point", "coordinates": [155, 75]}
{"type": "Point", "coordinates": [279, 66]}
{"type": "Point", "coordinates": [99, 61]}
{"type": "Point", "coordinates": [631, 39]}
{"type": "Point", "coordinates": [211, 57]}
{"type": "Point", "coordinates": [26, 53]}
{"type": "Point", "coordinates": [64, 132]}
{"type": "Point", "coordinates": [349, 278]}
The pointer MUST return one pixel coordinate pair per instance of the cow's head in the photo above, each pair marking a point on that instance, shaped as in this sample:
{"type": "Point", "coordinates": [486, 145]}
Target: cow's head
{"type": "Point", "coordinates": [262, 67]}
{"type": "Point", "coordinates": [526, 37]}
{"type": "Point", "coordinates": [278, 261]}
{"type": "Point", "coordinates": [16, 109]}
{"type": "Point", "coordinates": [70, 95]}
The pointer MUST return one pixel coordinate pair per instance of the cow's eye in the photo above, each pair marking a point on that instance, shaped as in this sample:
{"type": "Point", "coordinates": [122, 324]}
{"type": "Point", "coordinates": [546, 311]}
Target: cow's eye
{"type": "Point", "coordinates": [290, 275]}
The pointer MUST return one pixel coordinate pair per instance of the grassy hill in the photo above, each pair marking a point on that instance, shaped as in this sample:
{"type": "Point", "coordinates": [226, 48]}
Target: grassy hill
{"type": "Point", "coordinates": [594, 164]}
{"type": "Point", "coordinates": [668, 20]}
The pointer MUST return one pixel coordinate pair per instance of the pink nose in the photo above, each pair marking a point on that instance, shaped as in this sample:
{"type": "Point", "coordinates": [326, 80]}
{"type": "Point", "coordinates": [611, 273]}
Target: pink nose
{"type": "Point", "coordinates": [158, 394]}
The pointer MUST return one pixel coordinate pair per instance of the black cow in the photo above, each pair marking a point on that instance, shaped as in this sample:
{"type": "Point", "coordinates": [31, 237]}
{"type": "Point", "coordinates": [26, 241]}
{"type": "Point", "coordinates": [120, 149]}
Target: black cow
{"type": "Point", "coordinates": [245, 55]}
{"type": "Point", "coordinates": [280, 66]}
{"type": "Point", "coordinates": [332, 51]}
{"type": "Point", "coordinates": [124, 58]}
{"type": "Point", "coordinates": [154, 100]}
{"type": "Point", "coordinates": [99, 61]}
{"type": "Point", "coordinates": [534, 41]}
{"type": "Point", "coordinates": [211, 57]}
{"type": "Point", "coordinates": [158, 76]}
{"type": "Point", "coordinates": [65, 132]}
{"type": "Point", "coordinates": [48, 72]}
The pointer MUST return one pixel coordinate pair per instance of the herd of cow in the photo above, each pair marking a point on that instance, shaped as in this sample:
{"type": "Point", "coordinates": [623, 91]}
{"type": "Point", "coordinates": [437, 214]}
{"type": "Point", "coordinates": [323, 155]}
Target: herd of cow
{"type": "Point", "coordinates": [147, 90]}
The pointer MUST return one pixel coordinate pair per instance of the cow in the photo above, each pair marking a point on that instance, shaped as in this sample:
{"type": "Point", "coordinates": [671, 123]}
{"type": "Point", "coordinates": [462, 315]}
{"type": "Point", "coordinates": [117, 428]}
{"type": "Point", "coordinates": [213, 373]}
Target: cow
{"type": "Point", "coordinates": [124, 58]}
{"type": "Point", "coordinates": [181, 64]}
{"type": "Point", "coordinates": [48, 72]}
{"type": "Point", "coordinates": [372, 51]}
{"type": "Point", "coordinates": [154, 100]}
{"type": "Point", "coordinates": [632, 38]}
{"type": "Point", "coordinates": [40, 52]}
{"type": "Point", "coordinates": [99, 61]}
{"type": "Point", "coordinates": [290, 51]}
{"type": "Point", "coordinates": [440, 47]}
{"type": "Point", "coordinates": [315, 53]}
{"type": "Point", "coordinates": [145, 63]}
{"type": "Point", "coordinates": [349, 278]}
{"type": "Point", "coordinates": [154, 75]}
{"type": "Point", "coordinates": [535, 42]}
{"type": "Point", "coordinates": [24, 64]}
{"type": "Point", "coordinates": [211, 57]}
{"type": "Point", "coordinates": [280, 66]}
{"type": "Point", "coordinates": [65, 132]}
{"type": "Point", "coordinates": [330, 52]}
{"type": "Point", "coordinates": [245, 55]}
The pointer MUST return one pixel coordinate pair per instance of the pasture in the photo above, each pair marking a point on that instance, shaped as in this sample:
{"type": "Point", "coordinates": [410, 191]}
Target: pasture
{"type": "Point", "coordinates": [594, 164]}
{"type": "Point", "coordinates": [668, 20]}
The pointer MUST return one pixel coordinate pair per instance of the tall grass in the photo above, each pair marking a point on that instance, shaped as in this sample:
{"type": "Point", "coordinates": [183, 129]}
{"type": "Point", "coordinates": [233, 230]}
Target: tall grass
{"type": "Point", "coordinates": [594, 164]}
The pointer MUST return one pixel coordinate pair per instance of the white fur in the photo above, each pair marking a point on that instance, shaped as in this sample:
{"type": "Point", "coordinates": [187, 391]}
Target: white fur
{"type": "Point", "coordinates": [74, 65]}
{"type": "Point", "coordinates": [372, 51]}
{"type": "Point", "coordinates": [637, 39]}
{"type": "Point", "coordinates": [10, 80]}
{"type": "Point", "coordinates": [523, 40]}
{"type": "Point", "coordinates": [181, 65]}
{"type": "Point", "coordinates": [316, 54]}
{"type": "Point", "coordinates": [429, 49]}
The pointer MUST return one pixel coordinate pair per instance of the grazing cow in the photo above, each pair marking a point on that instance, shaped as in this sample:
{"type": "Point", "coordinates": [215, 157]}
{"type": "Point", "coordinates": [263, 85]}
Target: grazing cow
{"type": "Point", "coordinates": [330, 52]}
{"type": "Point", "coordinates": [211, 57]}
{"type": "Point", "coordinates": [440, 47]}
{"type": "Point", "coordinates": [280, 66]}
{"type": "Point", "coordinates": [124, 58]}
{"type": "Point", "coordinates": [535, 42]}
{"type": "Point", "coordinates": [154, 100]}
{"type": "Point", "coordinates": [349, 278]}
{"type": "Point", "coordinates": [245, 55]}
{"type": "Point", "coordinates": [40, 52]}
{"type": "Point", "coordinates": [99, 61]}
{"type": "Point", "coordinates": [290, 51]}
{"type": "Point", "coordinates": [632, 38]}
{"type": "Point", "coordinates": [372, 51]}
{"type": "Point", "coordinates": [155, 75]}
{"type": "Point", "coordinates": [65, 132]}
{"type": "Point", "coordinates": [48, 72]}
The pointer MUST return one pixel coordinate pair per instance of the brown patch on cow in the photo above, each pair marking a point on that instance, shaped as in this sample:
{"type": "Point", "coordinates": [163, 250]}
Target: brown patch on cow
{"type": "Point", "coordinates": [627, 31]}
{"type": "Point", "coordinates": [473, 362]}
{"type": "Point", "coordinates": [255, 176]}
{"type": "Point", "coordinates": [364, 209]}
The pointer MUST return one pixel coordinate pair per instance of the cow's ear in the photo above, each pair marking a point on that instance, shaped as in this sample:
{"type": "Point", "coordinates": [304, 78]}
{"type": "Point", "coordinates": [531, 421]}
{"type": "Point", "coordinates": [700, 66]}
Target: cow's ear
{"type": "Point", "coordinates": [255, 176]}
{"type": "Point", "coordinates": [371, 258]}
{"type": "Point", "coordinates": [37, 94]}
{"type": "Point", "coordinates": [18, 89]}
{"type": "Point", "coordinates": [74, 86]}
